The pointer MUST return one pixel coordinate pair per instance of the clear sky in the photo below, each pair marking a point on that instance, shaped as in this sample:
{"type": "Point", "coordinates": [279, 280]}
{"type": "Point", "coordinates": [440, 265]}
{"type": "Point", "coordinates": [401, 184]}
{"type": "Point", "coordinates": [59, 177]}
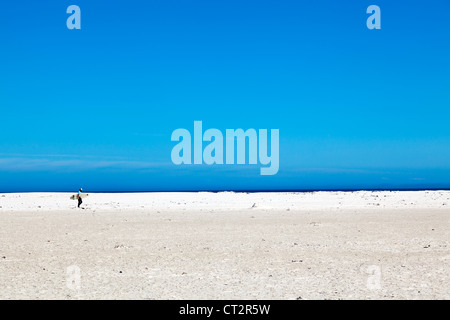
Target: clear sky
{"type": "Point", "coordinates": [96, 107]}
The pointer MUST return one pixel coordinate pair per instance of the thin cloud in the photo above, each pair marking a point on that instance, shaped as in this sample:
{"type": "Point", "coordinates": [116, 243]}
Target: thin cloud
{"type": "Point", "coordinates": [53, 163]}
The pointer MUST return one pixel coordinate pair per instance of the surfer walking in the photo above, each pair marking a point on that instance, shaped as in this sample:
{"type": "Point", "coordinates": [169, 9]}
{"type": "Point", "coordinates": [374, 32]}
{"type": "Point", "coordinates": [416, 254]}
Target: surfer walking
{"type": "Point", "coordinates": [79, 197]}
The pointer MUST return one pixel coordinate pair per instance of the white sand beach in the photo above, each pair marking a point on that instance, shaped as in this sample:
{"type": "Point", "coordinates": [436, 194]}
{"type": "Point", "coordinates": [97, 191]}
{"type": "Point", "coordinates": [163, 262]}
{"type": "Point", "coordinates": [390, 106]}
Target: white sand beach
{"type": "Point", "coordinates": [318, 245]}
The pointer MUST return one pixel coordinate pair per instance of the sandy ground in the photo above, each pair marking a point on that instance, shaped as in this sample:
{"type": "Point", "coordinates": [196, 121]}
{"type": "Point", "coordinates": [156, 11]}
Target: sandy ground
{"type": "Point", "coordinates": [321, 245]}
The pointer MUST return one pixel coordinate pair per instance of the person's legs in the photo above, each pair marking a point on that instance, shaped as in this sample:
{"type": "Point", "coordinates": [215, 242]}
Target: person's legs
{"type": "Point", "coordinates": [79, 202]}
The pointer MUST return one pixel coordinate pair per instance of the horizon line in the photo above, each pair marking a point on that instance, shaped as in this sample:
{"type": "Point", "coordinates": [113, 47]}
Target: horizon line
{"type": "Point", "coordinates": [242, 190]}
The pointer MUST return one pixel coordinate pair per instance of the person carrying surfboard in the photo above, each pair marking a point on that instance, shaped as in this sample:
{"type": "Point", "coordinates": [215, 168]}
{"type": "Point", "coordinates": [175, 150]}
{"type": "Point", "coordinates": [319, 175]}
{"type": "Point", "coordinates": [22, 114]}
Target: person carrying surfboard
{"type": "Point", "coordinates": [79, 197]}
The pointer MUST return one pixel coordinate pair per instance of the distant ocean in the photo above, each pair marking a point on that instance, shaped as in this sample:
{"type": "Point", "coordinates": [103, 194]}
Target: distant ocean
{"type": "Point", "coordinates": [231, 190]}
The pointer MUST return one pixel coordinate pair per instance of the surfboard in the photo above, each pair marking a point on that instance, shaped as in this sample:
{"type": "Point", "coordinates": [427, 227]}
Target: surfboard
{"type": "Point", "coordinates": [75, 196]}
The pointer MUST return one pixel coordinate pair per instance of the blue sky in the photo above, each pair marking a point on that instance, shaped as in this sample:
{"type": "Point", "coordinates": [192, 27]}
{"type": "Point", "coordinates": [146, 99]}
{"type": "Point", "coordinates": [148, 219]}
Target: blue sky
{"type": "Point", "coordinates": [95, 108]}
